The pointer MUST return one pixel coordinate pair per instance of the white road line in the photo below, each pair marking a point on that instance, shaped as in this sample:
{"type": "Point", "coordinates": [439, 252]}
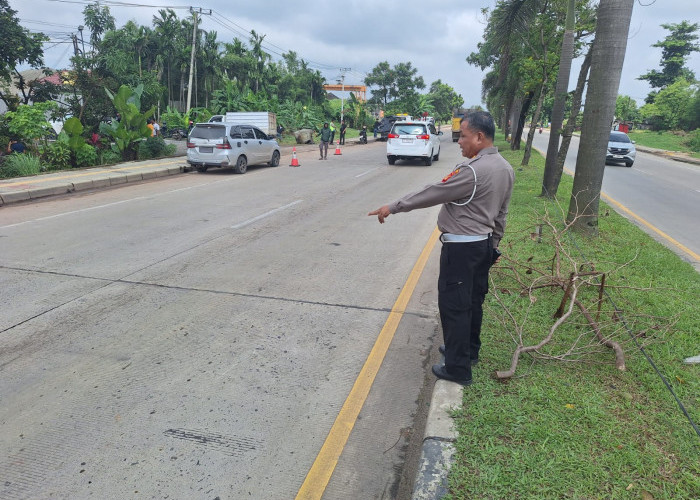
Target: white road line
{"type": "Point", "coordinates": [365, 173]}
{"type": "Point", "coordinates": [266, 214]}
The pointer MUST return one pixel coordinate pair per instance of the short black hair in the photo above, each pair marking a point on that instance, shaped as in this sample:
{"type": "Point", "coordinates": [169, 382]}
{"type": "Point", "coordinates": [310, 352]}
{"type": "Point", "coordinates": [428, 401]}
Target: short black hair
{"type": "Point", "coordinates": [481, 121]}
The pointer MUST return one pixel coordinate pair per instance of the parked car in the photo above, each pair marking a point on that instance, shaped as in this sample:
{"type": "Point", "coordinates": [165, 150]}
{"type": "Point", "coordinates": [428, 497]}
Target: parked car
{"type": "Point", "coordinates": [413, 140]}
{"type": "Point", "coordinates": [229, 145]}
{"type": "Point", "coordinates": [620, 149]}
{"type": "Point", "coordinates": [387, 122]}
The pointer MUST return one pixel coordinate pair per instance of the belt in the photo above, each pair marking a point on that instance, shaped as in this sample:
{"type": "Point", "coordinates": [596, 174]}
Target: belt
{"type": "Point", "coordinates": [462, 238]}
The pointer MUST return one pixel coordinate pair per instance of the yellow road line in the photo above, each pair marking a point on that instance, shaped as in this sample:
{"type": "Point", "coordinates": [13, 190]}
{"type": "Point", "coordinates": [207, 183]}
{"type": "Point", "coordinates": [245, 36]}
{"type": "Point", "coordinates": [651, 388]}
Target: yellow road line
{"type": "Point", "coordinates": [320, 473]}
{"type": "Point", "coordinates": [83, 174]}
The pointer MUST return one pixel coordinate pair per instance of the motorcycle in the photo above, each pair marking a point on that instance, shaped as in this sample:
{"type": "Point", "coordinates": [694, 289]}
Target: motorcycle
{"type": "Point", "coordinates": [363, 135]}
{"type": "Point", "coordinates": [176, 133]}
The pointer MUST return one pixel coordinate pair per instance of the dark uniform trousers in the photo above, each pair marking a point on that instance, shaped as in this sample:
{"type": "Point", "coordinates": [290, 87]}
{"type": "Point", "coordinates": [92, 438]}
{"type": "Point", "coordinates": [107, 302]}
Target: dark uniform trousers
{"type": "Point", "coordinates": [462, 287]}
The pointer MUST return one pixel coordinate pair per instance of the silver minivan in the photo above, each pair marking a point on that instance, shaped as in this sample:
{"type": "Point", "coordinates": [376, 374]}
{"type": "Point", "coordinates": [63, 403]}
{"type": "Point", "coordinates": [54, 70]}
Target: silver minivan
{"type": "Point", "coordinates": [228, 145]}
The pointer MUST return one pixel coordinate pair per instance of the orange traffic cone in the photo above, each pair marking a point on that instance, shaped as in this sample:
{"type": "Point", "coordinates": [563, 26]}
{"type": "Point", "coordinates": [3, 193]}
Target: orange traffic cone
{"type": "Point", "coordinates": [295, 162]}
{"type": "Point", "coordinates": [337, 149]}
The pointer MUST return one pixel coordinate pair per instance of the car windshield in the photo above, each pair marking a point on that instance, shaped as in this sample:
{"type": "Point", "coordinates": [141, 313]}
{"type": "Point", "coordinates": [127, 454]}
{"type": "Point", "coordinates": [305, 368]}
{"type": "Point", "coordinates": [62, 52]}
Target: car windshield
{"type": "Point", "coordinates": [409, 129]}
{"type": "Point", "coordinates": [208, 132]}
{"type": "Point", "coordinates": [619, 137]}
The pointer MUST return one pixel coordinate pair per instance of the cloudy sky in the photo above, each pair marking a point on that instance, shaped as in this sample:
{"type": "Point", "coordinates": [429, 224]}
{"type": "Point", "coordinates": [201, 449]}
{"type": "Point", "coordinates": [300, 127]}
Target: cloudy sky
{"type": "Point", "coordinates": [435, 37]}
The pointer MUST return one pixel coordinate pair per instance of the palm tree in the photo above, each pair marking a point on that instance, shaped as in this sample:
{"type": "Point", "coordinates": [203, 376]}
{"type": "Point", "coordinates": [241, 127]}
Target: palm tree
{"type": "Point", "coordinates": [260, 57]}
{"type": "Point", "coordinates": [208, 60]}
{"type": "Point", "coordinates": [166, 28]}
{"type": "Point", "coordinates": [608, 54]}
{"type": "Point", "coordinates": [550, 181]}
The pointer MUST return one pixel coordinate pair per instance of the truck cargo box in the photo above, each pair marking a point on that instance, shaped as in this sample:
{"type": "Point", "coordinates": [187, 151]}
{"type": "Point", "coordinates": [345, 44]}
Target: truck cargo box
{"type": "Point", "coordinates": [265, 121]}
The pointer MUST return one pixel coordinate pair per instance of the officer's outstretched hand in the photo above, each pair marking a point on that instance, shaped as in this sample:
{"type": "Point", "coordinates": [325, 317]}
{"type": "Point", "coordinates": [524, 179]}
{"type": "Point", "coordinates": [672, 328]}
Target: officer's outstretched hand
{"type": "Point", "coordinates": [381, 213]}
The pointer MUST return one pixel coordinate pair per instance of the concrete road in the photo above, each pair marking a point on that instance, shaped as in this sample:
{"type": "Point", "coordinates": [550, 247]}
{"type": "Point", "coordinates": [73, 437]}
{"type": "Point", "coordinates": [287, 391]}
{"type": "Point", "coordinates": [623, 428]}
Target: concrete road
{"type": "Point", "coordinates": [198, 336]}
{"type": "Point", "coordinates": [660, 195]}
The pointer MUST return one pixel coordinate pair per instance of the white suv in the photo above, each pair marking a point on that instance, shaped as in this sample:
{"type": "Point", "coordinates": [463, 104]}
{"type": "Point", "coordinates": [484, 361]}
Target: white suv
{"type": "Point", "coordinates": [413, 140]}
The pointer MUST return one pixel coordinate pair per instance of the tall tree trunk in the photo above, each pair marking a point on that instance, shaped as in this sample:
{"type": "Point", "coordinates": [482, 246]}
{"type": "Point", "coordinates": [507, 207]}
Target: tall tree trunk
{"type": "Point", "coordinates": [513, 118]}
{"type": "Point", "coordinates": [549, 188]}
{"type": "Point", "coordinates": [509, 112]}
{"type": "Point", "coordinates": [606, 67]}
{"type": "Point", "coordinates": [533, 125]}
{"type": "Point", "coordinates": [575, 108]}
{"type": "Point", "coordinates": [170, 88]}
{"type": "Point", "coordinates": [517, 137]}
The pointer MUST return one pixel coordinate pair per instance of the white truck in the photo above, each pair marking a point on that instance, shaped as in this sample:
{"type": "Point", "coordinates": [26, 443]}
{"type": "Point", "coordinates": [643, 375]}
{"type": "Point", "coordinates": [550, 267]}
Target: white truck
{"type": "Point", "coordinates": [264, 120]}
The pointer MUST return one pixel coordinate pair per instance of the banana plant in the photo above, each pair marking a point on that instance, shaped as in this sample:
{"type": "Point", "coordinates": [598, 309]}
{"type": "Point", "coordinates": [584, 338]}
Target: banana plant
{"type": "Point", "coordinates": [132, 127]}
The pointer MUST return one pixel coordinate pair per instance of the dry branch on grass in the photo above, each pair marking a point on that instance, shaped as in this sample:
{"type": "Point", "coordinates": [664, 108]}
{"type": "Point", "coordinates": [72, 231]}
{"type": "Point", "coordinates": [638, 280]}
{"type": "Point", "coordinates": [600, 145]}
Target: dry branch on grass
{"type": "Point", "coordinates": [583, 305]}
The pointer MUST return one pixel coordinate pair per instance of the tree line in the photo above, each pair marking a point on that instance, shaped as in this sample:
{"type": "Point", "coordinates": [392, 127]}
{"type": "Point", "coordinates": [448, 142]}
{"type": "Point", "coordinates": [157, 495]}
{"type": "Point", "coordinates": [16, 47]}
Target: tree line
{"type": "Point", "coordinates": [527, 52]}
{"type": "Point", "coordinates": [234, 75]}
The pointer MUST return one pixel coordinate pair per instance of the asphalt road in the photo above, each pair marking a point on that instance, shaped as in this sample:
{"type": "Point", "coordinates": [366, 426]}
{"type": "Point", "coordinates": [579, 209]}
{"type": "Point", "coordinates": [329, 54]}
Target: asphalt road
{"type": "Point", "coordinates": [197, 336]}
{"type": "Point", "coordinates": [662, 196]}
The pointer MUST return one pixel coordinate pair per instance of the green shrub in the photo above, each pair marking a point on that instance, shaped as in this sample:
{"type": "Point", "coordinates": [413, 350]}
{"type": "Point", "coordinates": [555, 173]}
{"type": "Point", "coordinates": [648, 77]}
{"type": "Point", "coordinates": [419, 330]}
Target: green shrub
{"type": "Point", "coordinates": [86, 156]}
{"type": "Point", "coordinates": [57, 155]}
{"type": "Point", "coordinates": [694, 140]}
{"type": "Point", "coordinates": [170, 150]}
{"type": "Point", "coordinates": [20, 165]}
{"type": "Point", "coordinates": [155, 146]}
{"type": "Point", "coordinates": [109, 157]}
{"type": "Point", "coordinates": [144, 152]}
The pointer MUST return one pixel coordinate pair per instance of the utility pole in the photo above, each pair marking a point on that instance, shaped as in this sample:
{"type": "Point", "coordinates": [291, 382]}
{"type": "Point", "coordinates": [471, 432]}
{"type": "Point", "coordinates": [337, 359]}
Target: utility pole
{"type": "Point", "coordinates": [80, 28]}
{"type": "Point", "coordinates": [194, 45]}
{"type": "Point", "coordinates": [342, 97]}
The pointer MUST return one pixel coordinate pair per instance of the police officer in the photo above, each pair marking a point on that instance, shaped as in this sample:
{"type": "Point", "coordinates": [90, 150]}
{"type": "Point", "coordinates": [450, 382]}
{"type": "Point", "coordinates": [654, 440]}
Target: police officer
{"type": "Point", "coordinates": [474, 198]}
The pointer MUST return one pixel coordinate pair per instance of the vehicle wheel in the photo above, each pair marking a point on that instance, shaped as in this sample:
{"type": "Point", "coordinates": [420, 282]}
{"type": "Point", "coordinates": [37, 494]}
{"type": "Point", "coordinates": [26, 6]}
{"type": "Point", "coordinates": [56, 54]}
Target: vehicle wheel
{"type": "Point", "coordinates": [437, 156]}
{"type": "Point", "coordinates": [202, 168]}
{"type": "Point", "coordinates": [391, 159]}
{"type": "Point", "coordinates": [241, 165]}
{"type": "Point", "coordinates": [429, 160]}
{"type": "Point", "coordinates": [275, 161]}
{"type": "Point", "coordinates": [629, 164]}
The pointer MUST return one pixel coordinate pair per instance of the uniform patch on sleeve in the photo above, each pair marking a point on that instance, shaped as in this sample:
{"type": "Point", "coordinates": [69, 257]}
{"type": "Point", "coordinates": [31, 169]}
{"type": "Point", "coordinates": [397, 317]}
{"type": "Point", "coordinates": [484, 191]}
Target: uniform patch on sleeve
{"type": "Point", "coordinates": [447, 177]}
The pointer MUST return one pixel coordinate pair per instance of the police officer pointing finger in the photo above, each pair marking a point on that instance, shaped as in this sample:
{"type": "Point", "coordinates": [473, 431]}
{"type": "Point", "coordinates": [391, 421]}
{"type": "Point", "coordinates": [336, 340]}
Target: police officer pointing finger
{"type": "Point", "coordinates": [474, 199]}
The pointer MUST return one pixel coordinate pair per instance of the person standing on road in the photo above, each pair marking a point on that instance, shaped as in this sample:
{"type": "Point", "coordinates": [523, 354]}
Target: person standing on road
{"type": "Point", "coordinates": [343, 127]}
{"type": "Point", "coordinates": [474, 198]}
{"type": "Point", "coordinates": [325, 137]}
{"type": "Point", "coordinates": [156, 128]}
{"type": "Point", "coordinates": [375, 127]}
{"type": "Point", "coordinates": [332, 127]}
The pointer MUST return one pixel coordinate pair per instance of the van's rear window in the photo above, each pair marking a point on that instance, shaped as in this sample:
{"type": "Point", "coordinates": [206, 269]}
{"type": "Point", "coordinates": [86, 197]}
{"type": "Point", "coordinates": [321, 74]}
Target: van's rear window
{"type": "Point", "coordinates": [208, 132]}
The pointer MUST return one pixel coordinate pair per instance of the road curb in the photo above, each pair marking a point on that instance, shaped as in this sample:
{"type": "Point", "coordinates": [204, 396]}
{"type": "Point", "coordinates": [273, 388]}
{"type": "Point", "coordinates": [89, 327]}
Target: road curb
{"type": "Point", "coordinates": [65, 182]}
{"type": "Point", "coordinates": [673, 155]}
{"type": "Point", "coordinates": [438, 442]}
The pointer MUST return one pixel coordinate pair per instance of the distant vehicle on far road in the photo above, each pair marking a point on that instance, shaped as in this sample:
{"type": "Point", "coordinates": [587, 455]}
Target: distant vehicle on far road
{"type": "Point", "coordinates": [620, 149]}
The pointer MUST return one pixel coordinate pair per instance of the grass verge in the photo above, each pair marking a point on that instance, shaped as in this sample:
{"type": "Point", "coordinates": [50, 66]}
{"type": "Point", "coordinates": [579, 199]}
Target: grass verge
{"type": "Point", "coordinates": [583, 429]}
{"type": "Point", "coordinates": [669, 141]}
